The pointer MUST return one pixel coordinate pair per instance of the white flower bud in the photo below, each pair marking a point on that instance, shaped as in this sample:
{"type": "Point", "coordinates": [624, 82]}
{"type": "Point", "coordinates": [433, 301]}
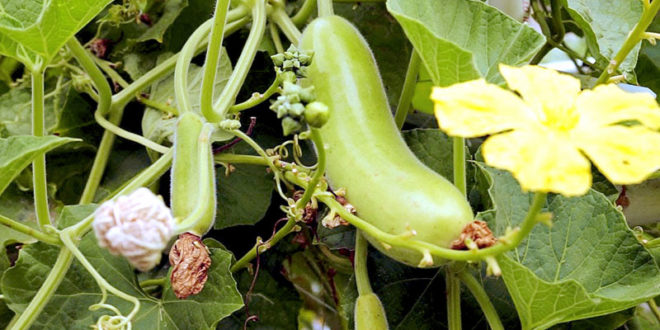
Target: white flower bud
{"type": "Point", "coordinates": [137, 226]}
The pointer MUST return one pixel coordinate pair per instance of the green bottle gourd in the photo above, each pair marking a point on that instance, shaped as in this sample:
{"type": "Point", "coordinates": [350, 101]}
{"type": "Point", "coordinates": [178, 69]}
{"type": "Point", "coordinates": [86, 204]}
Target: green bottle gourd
{"type": "Point", "coordinates": [387, 184]}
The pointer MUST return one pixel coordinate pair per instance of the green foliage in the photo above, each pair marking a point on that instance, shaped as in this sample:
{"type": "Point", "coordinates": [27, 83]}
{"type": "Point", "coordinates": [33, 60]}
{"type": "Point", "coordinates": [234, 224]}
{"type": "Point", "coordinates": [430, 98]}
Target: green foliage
{"type": "Point", "coordinates": [464, 40]}
{"type": "Point", "coordinates": [589, 254]}
{"type": "Point", "coordinates": [606, 26]}
{"type": "Point", "coordinates": [34, 30]}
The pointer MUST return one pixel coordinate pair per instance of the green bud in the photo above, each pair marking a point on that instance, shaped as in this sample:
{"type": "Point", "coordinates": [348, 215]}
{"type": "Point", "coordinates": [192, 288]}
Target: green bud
{"type": "Point", "coordinates": [230, 124]}
{"type": "Point", "coordinates": [307, 94]}
{"type": "Point", "coordinates": [317, 114]}
{"type": "Point", "coordinates": [290, 125]}
{"type": "Point", "coordinates": [288, 76]}
{"type": "Point", "coordinates": [288, 64]}
{"type": "Point", "coordinates": [296, 110]}
{"type": "Point", "coordinates": [369, 313]}
{"type": "Point", "coordinates": [278, 59]}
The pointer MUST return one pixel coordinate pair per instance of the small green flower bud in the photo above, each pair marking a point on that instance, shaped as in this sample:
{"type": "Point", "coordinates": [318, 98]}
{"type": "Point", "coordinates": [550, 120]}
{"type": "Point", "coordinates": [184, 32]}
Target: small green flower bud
{"type": "Point", "coordinates": [290, 125]}
{"type": "Point", "coordinates": [296, 110]}
{"type": "Point", "coordinates": [317, 114]}
{"type": "Point", "coordinates": [288, 76]}
{"type": "Point", "coordinates": [230, 124]}
{"type": "Point", "coordinates": [278, 59]}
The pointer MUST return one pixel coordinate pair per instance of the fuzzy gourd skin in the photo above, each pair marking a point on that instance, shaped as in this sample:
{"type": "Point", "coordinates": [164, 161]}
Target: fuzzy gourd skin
{"type": "Point", "coordinates": [369, 313]}
{"type": "Point", "coordinates": [366, 154]}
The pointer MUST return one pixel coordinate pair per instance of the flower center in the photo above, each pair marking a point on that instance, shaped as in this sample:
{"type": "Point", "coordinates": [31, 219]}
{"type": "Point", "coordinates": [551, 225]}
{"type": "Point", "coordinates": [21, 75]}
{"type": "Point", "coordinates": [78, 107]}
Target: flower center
{"type": "Point", "coordinates": [560, 119]}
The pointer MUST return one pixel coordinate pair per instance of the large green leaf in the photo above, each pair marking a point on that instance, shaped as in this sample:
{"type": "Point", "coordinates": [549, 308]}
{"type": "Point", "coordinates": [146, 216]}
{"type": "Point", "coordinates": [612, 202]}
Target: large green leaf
{"type": "Point", "coordinates": [17, 152]}
{"type": "Point", "coordinates": [589, 263]}
{"type": "Point", "coordinates": [462, 40]}
{"type": "Point", "coordinates": [32, 29]}
{"type": "Point", "coordinates": [243, 195]}
{"type": "Point", "coordinates": [69, 306]}
{"type": "Point", "coordinates": [606, 25]}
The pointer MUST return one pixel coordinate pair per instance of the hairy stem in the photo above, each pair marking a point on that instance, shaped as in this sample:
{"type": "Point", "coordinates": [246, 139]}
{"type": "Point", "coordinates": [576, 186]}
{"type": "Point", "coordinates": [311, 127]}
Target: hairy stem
{"type": "Point", "coordinates": [250, 255]}
{"type": "Point", "coordinates": [228, 96]}
{"type": "Point", "coordinates": [360, 264]}
{"type": "Point", "coordinates": [275, 36]}
{"type": "Point", "coordinates": [257, 98]}
{"type": "Point", "coordinates": [459, 164]}
{"type": "Point", "coordinates": [325, 8]}
{"type": "Point", "coordinates": [46, 290]}
{"type": "Point", "coordinates": [240, 159]}
{"type": "Point", "coordinates": [39, 163]}
{"type": "Point", "coordinates": [284, 22]}
{"type": "Point", "coordinates": [481, 296]}
{"type": "Point", "coordinates": [306, 10]}
{"type": "Point", "coordinates": [183, 63]}
{"type": "Point", "coordinates": [408, 90]}
{"type": "Point", "coordinates": [453, 292]}
{"type": "Point", "coordinates": [634, 37]}
{"type": "Point", "coordinates": [212, 56]}
{"type": "Point", "coordinates": [27, 230]}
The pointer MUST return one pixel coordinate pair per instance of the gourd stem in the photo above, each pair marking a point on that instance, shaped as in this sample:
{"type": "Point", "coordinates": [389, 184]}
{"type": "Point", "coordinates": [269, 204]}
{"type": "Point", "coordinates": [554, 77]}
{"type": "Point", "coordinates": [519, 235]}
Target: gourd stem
{"type": "Point", "coordinates": [275, 36]}
{"type": "Point", "coordinates": [505, 243]}
{"type": "Point", "coordinates": [183, 63]}
{"type": "Point", "coordinates": [360, 264]}
{"type": "Point", "coordinates": [17, 226]}
{"type": "Point", "coordinates": [304, 13]}
{"type": "Point", "coordinates": [250, 255]}
{"type": "Point", "coordinates": [257, 98]}
{"type": "Point", "coordinates": [634, 37]}
{"type": "Point", "coordinates": [212, 56]}
{"type": "Point", "coordinates": [46, 291]}
{"type": "Point", "coordinates": [228, 95]}
{"type": "Point", "coordinates": [481, 296]}
{"type": "Point", "coordinates": [325, 8]}
{"type": "Point", "coordinates": [453, 292]}
{"type": "Point", "coordinates": [459, 164]}
{"type": "Point", "coordinates": [284, 22]}
{"type": "Point", "coordinates": [654, 308]}
{"type": "Point", "coordinates": [408, 90]}
{"type": "Point", "coordinates": [318, 173]}
{"type": "Point", "coordinates": [228, 158]}
{"type": "Point", "coordinates": [39, 163]}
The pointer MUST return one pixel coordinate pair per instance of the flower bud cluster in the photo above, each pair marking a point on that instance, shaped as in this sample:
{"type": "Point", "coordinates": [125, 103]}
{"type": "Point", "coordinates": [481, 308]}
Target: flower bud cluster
{"type": "Point", "coordinates": [137, 226]}
{"type": "Point", "coordinates": [293, 60]}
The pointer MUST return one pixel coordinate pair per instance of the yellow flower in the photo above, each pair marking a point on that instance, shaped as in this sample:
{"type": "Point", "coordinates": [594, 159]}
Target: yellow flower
{"type": "Point", "coordinates": [545, 136]}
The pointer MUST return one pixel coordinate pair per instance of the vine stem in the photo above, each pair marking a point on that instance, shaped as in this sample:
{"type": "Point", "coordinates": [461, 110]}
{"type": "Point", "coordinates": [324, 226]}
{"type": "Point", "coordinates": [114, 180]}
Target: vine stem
{"type": "Point", "coordinates": [408, 90]}
{"type": "Point", "coordinates": [257, 98]}
{"type": "Point", "coordinates": [481, 296]}
{"type": "Point", "coordinates": [360, 264]}
{"type": "Point", "coordinates": [634, 37]}
{"type": "Point", "coordinates": [275, 36]}
{"type": "Point", "coordinates": [39, 163]}
{"type": "Point", "coordinates": [505, 243]}
{"type": "Point", "coordinates": [325, 8]}
{"type": "Point", "coordinates": [654, 308]}
{"type": "Point", "coordinates": [284, 22]}
{"type": "Point", "coordinates": [46, 291]}
{"type": "Point", "coordinates": [212, 57]}
{"type": "Point", "coordinates": [458, 156]}
{"type": "Point", "coordinates": [183, 63]}
{"type": "Point", "coordinates": [300, 204]}
{"type": "Point", "coordinates": [228, 95]}
{"type": "Point", "coordinates": [453, 291]}
{"type": "Point", "coordinates": [17, 226]}
{"type": "Point", "coordinates": [122, 98]}
{"type": "Point", "coordinates": [304, 13]}
{"type": "Point", "coordinates": [228, 158]}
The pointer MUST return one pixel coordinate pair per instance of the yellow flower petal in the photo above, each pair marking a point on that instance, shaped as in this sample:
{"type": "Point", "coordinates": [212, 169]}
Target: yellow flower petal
{"type": "Point", "coordinates": [540, 161]}
{"type": "Point", "coordinates": [476, 108]}
{"type": "Point", "coordinates": [550, 94]}
{"type": "Point", "coordinates": [625, 155]}
{"type": "Point", "coordinates": [609, 104]}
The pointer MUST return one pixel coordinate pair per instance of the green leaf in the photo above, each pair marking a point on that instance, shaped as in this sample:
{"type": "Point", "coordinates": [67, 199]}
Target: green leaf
{"type": "Point", "coordinates": [159, 126]}
{"type": "Point", "coordinates": [462, 40]}
{"type": "Point", "coordinates": [243, 196]}
{"type": "Point", "coordinates": [588, 264]}
{"type": "Point", "coordinates": [648, 63]}
{"type": "Point", "coordinates": [606, 25]}
{"type": "Point", "coordinates": [433, 148]}
{"type": "Point", "coordinates": [275, 303]}
{"type": "Point", "coordinates": [69, 306]}
{"type": "Point", "coordinates": [36, 28]}
{"type": "Point", "coordinates": [17, 152]}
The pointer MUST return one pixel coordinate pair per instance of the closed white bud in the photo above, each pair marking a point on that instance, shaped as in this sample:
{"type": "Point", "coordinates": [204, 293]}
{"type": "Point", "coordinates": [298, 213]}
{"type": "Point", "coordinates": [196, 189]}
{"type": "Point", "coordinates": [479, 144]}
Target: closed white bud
{"type": "Point", "coordinates": [137, 226]}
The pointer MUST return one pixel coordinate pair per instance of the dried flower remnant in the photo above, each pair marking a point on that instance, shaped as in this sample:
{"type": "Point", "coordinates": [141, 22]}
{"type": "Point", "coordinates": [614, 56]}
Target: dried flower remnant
{"type": "Point", "coordinates": [190, 262]}
{"type": "Point", "coordinates": [137, 226]}
{"type": "Point", "coordinates": [478, 232]}
{"type": "Point", "coordinates": [333, 220]}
